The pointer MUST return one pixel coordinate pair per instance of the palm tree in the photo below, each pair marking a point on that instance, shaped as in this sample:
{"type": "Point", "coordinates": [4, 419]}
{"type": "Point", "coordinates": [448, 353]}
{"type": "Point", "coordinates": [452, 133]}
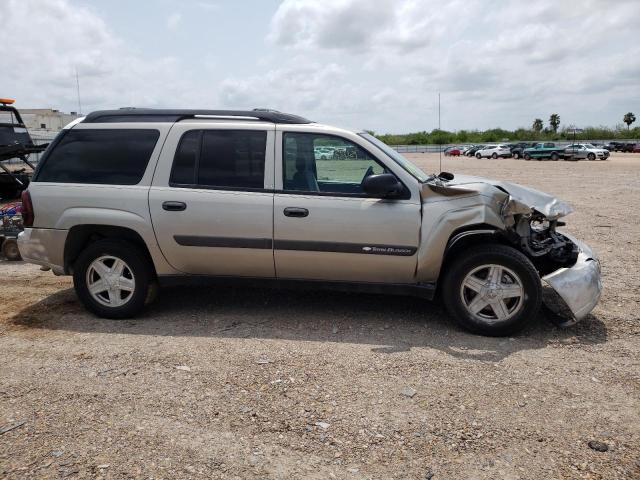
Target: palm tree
{"type": "Point", "coordinates": [554, 121]}
{"type": "Point", "coordinates": [537, 125]}
{"type": "Point", "coordinates": [629, 118]}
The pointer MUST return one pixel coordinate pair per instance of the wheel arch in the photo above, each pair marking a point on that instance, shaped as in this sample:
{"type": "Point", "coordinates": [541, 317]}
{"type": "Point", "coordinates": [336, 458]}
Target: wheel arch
{"type": "Point", "coordinates": [80, 236]}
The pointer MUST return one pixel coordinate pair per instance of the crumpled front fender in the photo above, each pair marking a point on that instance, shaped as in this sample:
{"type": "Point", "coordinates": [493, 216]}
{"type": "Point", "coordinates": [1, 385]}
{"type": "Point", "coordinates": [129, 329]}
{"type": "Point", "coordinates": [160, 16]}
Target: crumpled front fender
{"type": "Point", "coordinates": [579, 286]}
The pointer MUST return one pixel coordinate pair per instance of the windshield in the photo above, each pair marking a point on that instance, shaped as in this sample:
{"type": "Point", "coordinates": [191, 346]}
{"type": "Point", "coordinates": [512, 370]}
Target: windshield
{"type": "Point", "coordinates": [399, 159]}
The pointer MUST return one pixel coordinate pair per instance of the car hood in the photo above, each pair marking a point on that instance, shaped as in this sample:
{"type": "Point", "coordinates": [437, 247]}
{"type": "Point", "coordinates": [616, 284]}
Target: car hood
{"type": "Point", "coordinates": [517, 198]}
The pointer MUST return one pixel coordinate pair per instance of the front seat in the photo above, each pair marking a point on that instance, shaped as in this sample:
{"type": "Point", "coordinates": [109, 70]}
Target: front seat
{"type": "Point", "coordinates": [305, 179]}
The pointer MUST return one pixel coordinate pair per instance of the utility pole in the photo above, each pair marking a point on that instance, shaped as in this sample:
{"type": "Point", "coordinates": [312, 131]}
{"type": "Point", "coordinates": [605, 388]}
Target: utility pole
{"type": "Point", "coordinates": [439, 130]}
{"type": "Point", "coordinates": [78, 91]}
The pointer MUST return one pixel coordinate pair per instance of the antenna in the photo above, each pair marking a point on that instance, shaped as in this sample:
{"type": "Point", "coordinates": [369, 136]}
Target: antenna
{"type": "Point", "coordinates": [439, 131]}
{"type": "Point", "coordinates": [78, 90]}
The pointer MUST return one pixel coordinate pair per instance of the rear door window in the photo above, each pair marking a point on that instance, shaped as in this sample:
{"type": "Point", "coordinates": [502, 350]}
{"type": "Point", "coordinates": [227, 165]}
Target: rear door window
{"type": "Point", "coordinates": [113, 157]}
{"type": "Point", "coordinates": [222, 159]}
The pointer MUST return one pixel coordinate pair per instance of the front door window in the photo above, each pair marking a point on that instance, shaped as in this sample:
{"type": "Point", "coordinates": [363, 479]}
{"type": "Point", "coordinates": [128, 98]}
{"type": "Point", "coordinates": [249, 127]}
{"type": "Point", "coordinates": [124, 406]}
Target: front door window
{"type": "Point", "coordinates": [325, 164]}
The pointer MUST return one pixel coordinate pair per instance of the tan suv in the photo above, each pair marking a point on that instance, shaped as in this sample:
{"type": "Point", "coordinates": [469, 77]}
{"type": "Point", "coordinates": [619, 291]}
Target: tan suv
{"type": "Point", "coordinates": [125, 199]}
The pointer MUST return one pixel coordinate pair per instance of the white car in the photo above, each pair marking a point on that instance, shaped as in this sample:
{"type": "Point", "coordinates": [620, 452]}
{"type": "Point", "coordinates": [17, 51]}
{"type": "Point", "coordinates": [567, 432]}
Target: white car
{"type": "Point", "coordinates": [494, 151]}
{"type": "Point", "coordinates": [323, 153]}
{"type": "Point", "coordinates": [579, 151]}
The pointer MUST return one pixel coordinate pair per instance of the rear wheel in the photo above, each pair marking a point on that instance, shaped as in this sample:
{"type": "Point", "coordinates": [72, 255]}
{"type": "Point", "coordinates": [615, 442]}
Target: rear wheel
{"type": "Point", "coordinates": [10, 249]}
{"type": "Point", "coordinates": [112, 277]}
{"type": "Point", "coordinates": [492, 290]}
{"type": "Point", "coordinates": [478, 156]}
{"type": "Point", "coordinates": [555, 156]}
{"type": "Point", "coordinates": [516, 155]}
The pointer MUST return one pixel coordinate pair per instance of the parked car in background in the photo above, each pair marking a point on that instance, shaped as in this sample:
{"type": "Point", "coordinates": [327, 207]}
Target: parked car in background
{"type": "Point", "coordinates": [472, 151]}
{"type": "Point", "coordinates": [452, 152]}
{"type": "Point", "coordinates": [494, 151]}
{"type": "Point", "coordinates": [636, 148]}
{"type": "Point", "coordinates": [323, 153]}
{"type": "Point", "coordinates": [601, 146]}
{"type": "Point", "coordinates": [542, 151]}
{"type": "Point", "coordinates": [126, 199]}
{"type": "Point", "coordinates": [621, 146]}
{"type": "Point", "coordinates": [518, 148]}
{"type": "Point", "coordinates": [582, 151]}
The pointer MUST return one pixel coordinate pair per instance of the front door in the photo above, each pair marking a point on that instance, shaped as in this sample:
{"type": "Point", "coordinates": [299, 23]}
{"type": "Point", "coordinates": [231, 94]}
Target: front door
{"type": "Point", "coordinates": [325, 227]}
{"type": "Point", "coordinates": [212, 202]}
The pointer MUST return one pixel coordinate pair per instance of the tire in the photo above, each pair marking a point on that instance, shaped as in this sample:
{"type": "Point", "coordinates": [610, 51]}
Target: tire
{"type": "Point", "coordinates": [125, 294]}
{"type": "Point", "coordinates": [527, 156]}
{"type": "Point", "coordinates": [474, 267]}
{"type": "Point", "coordinates": [591, 156]}
{"type": "Point", "coordinates": [10, 250]}
{"type": "Point", "coordinates": [554, 156]}
{"type": "Point", "coordinates": [516, 155]}
{"type": "Point", "coordinates": [494, 155]}
{"type": "Point", "coordinates": [478, 156]}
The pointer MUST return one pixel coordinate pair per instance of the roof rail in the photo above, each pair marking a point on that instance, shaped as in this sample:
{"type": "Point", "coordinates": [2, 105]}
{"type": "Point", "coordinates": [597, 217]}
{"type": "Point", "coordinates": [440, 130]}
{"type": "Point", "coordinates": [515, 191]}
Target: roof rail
{"type": "Point", "coordinates": [175, 115]}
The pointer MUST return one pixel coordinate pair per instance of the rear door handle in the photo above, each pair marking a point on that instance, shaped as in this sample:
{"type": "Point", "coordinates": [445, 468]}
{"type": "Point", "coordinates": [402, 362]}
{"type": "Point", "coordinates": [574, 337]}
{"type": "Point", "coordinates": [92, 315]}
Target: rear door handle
{"type": "Point", "coordinates": [174, 206]}
{"type": "Point", "coordinates": [296, 212]}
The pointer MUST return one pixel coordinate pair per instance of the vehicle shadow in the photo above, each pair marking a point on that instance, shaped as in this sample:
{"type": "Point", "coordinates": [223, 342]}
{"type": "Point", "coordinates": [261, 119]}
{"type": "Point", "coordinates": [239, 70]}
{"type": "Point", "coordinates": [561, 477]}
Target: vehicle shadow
{"type": "Point", "coordinates": [389, 324]}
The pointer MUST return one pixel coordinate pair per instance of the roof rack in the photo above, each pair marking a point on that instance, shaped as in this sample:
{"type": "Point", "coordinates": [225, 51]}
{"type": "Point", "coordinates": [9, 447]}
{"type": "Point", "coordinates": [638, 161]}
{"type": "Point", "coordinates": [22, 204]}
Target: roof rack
{"type": "Point", "coordinates": [175, 115]}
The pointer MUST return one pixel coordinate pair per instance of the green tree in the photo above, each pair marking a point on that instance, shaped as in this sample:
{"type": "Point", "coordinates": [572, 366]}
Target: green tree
{"type": "Point", "coordinates": [629, 118]}
{"type": "Point", "coordinates": [554, 122]}
{"type": "Point", "coordinates": [537, 125]}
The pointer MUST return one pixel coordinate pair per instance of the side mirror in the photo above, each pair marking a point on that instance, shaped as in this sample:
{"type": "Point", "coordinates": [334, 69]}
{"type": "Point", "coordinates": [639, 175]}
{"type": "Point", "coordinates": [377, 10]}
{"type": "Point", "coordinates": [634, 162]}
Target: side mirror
{"type": "Point", "coordinates": [384, 185]}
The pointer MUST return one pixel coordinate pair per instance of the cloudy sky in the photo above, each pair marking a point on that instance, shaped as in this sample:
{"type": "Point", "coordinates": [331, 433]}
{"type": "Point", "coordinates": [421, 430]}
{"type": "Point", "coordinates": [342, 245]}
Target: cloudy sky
{"type": "Point", "coordinates": [375, 64]}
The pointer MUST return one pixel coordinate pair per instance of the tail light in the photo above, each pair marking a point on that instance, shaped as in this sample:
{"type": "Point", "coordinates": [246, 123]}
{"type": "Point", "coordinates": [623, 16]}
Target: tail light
{"type": "Point", "coordinates": [27, 209]}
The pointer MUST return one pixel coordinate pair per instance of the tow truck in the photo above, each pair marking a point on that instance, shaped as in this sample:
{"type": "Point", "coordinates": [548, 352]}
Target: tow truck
{"type": "Point", "coordinates": [15, 143]}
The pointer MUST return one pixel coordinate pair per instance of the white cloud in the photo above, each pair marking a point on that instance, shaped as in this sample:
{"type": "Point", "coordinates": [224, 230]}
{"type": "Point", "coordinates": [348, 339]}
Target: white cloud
{"type": "Point", "coordinates": [358, 63]}
{"type": "Point", "coordinates": [174, 20]}
{"type": "Point", "coordinates": [61, 38]}
{"type": "Point", "coordinates": [496, 62]}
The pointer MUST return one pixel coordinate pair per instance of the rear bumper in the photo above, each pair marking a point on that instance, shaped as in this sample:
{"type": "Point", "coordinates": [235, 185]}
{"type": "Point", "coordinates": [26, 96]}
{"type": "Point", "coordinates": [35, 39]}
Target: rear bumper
{"type": "Point", "coordinates": [579, 286]}
{"type": "Point", "coordinates": [43, 246]}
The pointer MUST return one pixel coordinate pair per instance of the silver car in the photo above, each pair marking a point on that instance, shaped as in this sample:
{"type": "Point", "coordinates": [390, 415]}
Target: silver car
{"type": "Point", "coordinates": [585, 151]}
{"type": "Point", "coordinates": [127, 199]}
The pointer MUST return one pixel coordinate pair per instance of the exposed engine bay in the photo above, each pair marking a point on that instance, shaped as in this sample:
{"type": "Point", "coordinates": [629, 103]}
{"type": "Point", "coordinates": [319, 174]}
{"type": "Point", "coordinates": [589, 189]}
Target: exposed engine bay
{"type": "Point", "coordinates": [538, 239]}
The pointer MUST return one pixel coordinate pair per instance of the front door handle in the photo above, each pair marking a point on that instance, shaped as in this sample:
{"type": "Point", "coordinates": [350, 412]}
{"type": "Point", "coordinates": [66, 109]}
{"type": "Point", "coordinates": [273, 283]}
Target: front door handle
{"type": "Point", "coordinates": [174, 206]}
{"type": "Point", "coordinates": [296, 212]}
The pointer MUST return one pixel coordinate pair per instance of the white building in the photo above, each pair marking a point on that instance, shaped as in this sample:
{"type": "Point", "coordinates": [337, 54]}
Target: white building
{"type": "Point", "coordinates": [40, 121]}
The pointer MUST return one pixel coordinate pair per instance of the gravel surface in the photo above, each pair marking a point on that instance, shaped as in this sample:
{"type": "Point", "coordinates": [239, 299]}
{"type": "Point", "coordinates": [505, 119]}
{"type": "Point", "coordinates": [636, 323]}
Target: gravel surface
{"type": "Point", "coordinates": [242, 384]}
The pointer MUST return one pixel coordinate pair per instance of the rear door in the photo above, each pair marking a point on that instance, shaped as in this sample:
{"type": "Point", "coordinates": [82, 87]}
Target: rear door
{"type": "Point", "coordinates": [211, 201]}
{"type": "Point", "coordinates": [325, 227]}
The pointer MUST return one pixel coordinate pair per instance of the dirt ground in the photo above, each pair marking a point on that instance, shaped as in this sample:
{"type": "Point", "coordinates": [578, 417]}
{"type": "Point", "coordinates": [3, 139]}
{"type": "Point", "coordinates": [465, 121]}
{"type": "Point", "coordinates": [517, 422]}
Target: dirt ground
{"type": "Point", "coordinates": [243, 384]}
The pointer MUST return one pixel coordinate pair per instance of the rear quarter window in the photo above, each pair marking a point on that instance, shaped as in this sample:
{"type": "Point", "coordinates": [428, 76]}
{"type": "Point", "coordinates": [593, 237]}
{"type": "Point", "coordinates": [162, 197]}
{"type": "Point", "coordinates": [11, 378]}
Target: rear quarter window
{"type": "Point", "coordinates": [112, 157]}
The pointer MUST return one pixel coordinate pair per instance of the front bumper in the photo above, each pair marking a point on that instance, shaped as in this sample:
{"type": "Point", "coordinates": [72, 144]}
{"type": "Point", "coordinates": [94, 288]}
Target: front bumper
{"type": "Point", "coordinates": [579, 286]}
{"type": "Point", "coordinates": [43, 246]}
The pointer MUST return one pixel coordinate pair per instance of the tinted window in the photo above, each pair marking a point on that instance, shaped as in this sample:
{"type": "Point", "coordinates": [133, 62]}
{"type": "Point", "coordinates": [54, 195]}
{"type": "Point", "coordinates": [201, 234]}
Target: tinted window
{"type": "Point", "coordinates": [221, 158]}
{"type": "Point", "coordinates": [184, 163]}
{"type": "Point", "coordinates": [116, 157]}
{"type": "Point", "coordinates": [323, 163]}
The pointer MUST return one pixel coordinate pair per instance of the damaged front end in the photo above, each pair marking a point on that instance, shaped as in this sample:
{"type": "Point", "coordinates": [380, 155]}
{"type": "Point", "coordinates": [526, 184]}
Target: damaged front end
{"type": "Point", "coordinates": [531, 219]}
{"type": "Point", "coordinates": [567, 265]}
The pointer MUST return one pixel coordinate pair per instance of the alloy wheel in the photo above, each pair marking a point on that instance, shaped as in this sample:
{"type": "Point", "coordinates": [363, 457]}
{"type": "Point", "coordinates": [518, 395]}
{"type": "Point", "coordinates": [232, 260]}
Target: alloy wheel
{"type": "Point", "coordinates": [492, 293]}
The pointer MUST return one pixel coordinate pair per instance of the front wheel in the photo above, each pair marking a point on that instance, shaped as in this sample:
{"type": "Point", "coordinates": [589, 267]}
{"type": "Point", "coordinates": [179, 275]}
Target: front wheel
{"type": "Point", "coordinates": [492, 289]}
{"type": "Point", "coordinates": [591, 156]}
{"type": "Point", "coordinates": [516, 155]}
{"type": "Point", "coordinates": [478, 156]}
{"type": "Point", "coordinates": [494, 155]}
{"type": "Point", "coordinates": [112, 277]}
